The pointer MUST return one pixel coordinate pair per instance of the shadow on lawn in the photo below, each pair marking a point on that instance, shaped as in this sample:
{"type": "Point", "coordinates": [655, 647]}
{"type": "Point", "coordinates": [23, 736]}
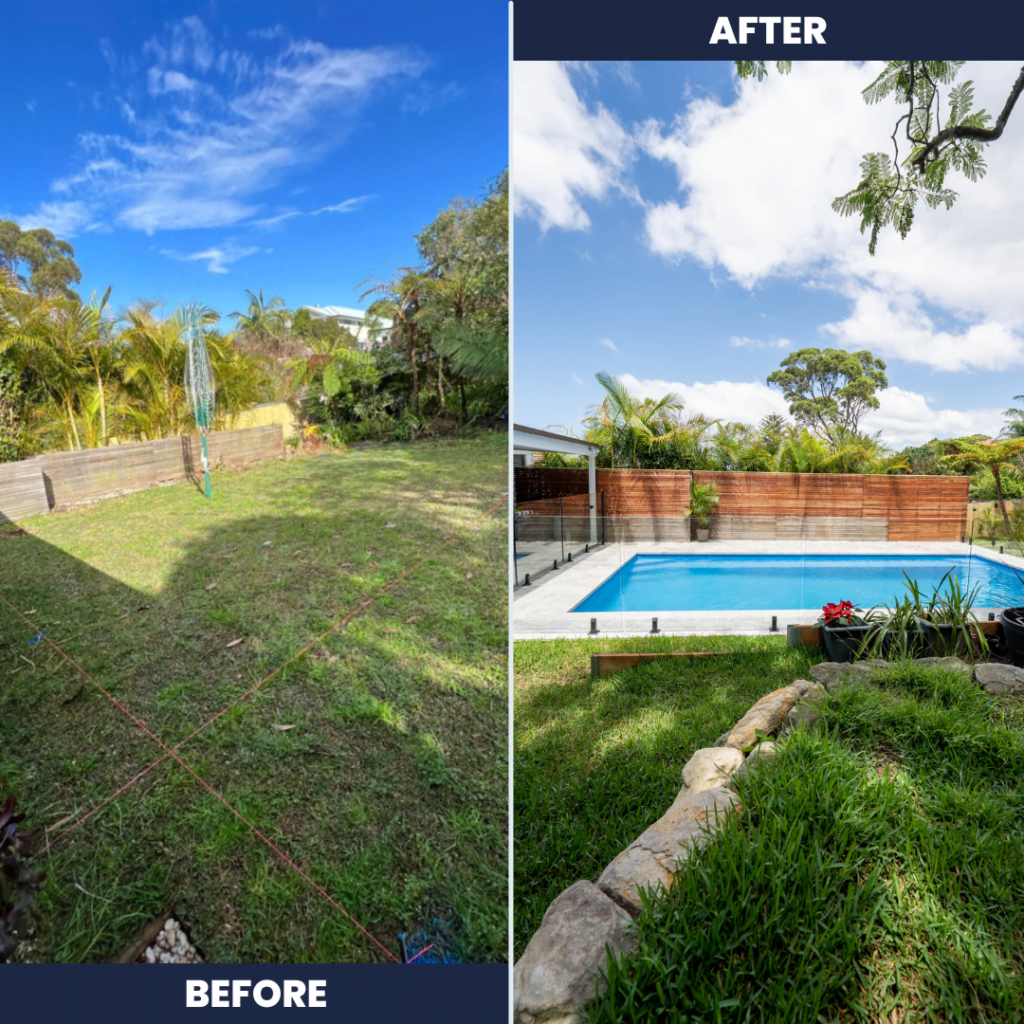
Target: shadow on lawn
{"type": "Point", "coordinates": [598, 761]}
{"type": "Point", "coordinates": [376, 761]}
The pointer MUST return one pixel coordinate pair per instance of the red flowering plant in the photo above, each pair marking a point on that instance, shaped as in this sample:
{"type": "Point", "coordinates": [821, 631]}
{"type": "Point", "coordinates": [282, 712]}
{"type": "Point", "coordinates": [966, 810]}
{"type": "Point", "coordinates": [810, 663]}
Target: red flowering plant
{"type": "Point", "coordinates": [842, 614]}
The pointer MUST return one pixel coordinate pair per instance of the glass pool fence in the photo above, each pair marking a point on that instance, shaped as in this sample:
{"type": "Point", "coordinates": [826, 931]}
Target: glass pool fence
{"type": "Point", "coordinates": [581, 573]}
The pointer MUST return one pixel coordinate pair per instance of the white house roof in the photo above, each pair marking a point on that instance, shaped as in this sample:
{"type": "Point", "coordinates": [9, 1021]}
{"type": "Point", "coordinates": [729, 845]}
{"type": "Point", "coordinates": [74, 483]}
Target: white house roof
{"type": "Point", "coordinates": [344, 311]}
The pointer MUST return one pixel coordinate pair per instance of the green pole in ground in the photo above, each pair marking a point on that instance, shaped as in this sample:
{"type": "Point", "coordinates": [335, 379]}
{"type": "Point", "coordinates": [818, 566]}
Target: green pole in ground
{"type": "Point", "coordinates": [206, 466]}
{"type": "Point", "coordinates": [199, 383]}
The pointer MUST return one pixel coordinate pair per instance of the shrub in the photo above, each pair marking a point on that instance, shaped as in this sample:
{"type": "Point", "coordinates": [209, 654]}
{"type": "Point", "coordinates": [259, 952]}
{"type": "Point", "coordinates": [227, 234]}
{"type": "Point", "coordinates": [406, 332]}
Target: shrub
{"type": "Point", "coordinates": [18, 879]}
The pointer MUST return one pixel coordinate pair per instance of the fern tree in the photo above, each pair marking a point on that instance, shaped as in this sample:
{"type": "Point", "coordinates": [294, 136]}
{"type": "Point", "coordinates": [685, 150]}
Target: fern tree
{"type": "Point", "coordinates": [968, 453]}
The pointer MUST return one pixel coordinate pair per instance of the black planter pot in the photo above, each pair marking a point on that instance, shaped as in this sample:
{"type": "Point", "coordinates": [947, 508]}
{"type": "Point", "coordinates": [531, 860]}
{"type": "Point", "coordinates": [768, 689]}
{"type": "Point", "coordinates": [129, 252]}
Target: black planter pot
{"type": "Point", "coordinates": [842, 642]}
{"type": "Point", "coordinates": [940, 641]}
{"type": "Point", "coordinates": [1013, 634]}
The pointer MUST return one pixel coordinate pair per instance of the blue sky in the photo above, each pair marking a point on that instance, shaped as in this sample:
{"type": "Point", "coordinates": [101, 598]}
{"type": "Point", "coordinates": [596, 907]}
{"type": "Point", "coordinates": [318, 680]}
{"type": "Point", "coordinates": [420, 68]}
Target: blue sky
{"type": "Point", "coordinates": [190, 151]}
{"type": "Point", "coordinates": [673, 227]}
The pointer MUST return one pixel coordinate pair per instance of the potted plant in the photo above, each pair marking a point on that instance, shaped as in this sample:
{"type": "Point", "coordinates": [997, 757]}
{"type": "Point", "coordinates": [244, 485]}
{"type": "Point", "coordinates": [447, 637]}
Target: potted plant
{"type": "Point", "coordinates": [1013, 629]}
{"type": "Point", "coordinates": [948, 624]}
{"type": "Point", "coordinates": [703, 499]}
{"type": "Point", "coordinates": [1013, 634]}
{"type": "Point", "coordinates": [842, 630]}
{"type": "Point", "coordinates": [916, 627]}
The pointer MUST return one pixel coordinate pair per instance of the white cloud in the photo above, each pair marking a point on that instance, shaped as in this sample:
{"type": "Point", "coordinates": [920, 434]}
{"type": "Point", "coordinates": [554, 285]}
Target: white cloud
{"type": "Point", "coordinates": [274, 32]}
{"type": "Point", "coordinates": [608, 343]}
{"type": "Point", "coordinates": [276, 221]}
{"type": "Point", "coordinates": [624, 69]}
{"type": "Point", "coordinates": [722, 399]}
{"type": "Point", "coordinates": [906, 418]}
{"type": "Point", "coordinates": [107, 49]}
{"type": "Point", "coordinates": [63, 219]}
{"type": "Point", "coordinates": [161, 81]}
{"type": "Point", "coordinates": [177, 166]}
{"type": "Point", "coordinates": [217, 257]}
{"type": "Point", "coordinates": [345, 206]}
{"type": "Point", "coordinates": [742, 341]}
{"type": "Point", "coordinates": [770, 217]}
{"type": "Point", "coordinates": [576, 378]}
{"type": "Point", "coordinates": [563, 151]}
{"type": "Point", "coordinates": [30, 106]}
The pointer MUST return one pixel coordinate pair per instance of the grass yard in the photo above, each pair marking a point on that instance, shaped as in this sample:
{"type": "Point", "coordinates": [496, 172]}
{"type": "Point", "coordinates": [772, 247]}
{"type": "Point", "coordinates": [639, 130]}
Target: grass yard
{"type": "Point", "coordinates": [377, 761]}
{"type": "Point", "coordinates": [877, 874]}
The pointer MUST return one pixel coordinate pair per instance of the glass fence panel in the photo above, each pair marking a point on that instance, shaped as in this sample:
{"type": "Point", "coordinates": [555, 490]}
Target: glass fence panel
{"type": "Point", "coordinates": [636, 575]}
{"type": "Point", "coordinates": [563, 595]}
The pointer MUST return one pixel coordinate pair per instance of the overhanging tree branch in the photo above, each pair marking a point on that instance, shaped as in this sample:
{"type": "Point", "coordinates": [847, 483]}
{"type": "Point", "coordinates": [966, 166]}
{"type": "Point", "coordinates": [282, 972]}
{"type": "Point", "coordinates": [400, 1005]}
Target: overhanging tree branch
{"type": "Point", "coordinates": [967, 132]}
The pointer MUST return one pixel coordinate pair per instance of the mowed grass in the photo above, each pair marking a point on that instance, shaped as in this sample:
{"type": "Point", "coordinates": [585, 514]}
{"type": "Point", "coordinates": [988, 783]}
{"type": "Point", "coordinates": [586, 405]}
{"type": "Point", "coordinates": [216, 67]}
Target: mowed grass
{"type": "Point", "coordinates": [877, 873]}
{"type": "Point", "coordinates": [598, 760]}
{"type": "Point", "coordinates": [377, 761]}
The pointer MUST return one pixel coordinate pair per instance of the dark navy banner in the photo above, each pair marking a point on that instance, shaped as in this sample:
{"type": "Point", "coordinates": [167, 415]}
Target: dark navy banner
{"type": "Point", "coordinates": [244, 993]}
{"type": "Point", "coordinates": [663, 30]}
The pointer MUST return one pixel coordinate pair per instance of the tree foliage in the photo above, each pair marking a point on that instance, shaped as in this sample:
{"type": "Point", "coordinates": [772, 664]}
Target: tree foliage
{"type": "Point", "coordinates": [941, 134]}
{"type": "Point", "coordinates": [828, 391]}
{"type": "Point", "coordinates": [38, 260]}
{"type": "Point", "coordinates": [449, 314]}
{"type": "Point", "coordinates": [968, 453]}
{"type": "Point", "coordinates": [623, 424]}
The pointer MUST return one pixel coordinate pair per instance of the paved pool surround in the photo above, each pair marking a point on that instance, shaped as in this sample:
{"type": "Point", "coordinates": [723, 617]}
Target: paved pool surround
{"type": "Point", "coordinates": [541, 610]}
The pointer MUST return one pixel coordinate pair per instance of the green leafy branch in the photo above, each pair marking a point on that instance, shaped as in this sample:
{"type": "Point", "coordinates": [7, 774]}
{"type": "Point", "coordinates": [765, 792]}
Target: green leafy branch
{"type": "Point", "coordinates": [890, 188]}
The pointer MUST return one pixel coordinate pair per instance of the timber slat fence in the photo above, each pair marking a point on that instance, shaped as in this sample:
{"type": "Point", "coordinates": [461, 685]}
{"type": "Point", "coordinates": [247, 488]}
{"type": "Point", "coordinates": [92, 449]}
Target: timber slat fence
{"type": "Point", "coordinates": [769, 505]}
{"type": "Point", "coordinates": [63, 478]}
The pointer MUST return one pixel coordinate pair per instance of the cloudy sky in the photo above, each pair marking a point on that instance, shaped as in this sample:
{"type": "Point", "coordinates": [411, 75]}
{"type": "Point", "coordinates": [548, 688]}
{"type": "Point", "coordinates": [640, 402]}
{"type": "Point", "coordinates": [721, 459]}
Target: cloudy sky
{"type": "Point", "coordinates": [673, 227]}
{"type": "Point", "coordinates": [189, 151]}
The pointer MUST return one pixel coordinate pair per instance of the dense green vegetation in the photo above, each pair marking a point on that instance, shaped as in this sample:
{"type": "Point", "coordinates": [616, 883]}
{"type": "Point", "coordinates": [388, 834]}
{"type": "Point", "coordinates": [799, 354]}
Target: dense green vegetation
{"type": "Point", "coordinates": [78, 374]}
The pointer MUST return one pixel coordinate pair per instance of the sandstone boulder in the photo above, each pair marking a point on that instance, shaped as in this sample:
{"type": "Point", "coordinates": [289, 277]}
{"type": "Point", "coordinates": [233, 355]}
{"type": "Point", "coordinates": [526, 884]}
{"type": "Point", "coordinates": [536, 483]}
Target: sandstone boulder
{"type": "Point", "coordinates": [651, 860]}
{"type": "Point", "coordinates": [557, 973]}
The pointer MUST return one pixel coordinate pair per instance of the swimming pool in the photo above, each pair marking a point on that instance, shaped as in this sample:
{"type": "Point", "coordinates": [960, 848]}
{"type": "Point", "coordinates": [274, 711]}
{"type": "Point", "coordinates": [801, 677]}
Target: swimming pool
{"type": "Point", "coordinates": [652, 583]}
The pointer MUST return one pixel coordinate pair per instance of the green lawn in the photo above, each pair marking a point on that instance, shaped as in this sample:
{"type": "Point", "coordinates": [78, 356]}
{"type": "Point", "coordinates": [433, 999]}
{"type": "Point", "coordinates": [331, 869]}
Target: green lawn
{"type": "Point", "coordinates": [598, 760]}
{"type": "Point", "coordinates": [876, 875]}
{"type": "Point", "coordinates": [389, 784]}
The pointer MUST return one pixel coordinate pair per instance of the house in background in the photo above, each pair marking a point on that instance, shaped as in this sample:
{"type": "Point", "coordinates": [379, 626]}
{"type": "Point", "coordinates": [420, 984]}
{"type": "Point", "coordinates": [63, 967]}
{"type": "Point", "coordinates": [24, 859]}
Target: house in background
{"type": "Point", "coordinates": [369, 331]}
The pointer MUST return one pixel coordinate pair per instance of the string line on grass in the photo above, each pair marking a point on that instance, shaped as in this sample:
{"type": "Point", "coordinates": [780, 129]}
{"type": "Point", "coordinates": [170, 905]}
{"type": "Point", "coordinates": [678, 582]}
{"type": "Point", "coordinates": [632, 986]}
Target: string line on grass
{"type": "Point", "coordinates": [266, 679]}
{"type": "Point", "coordinates": [172, 751]}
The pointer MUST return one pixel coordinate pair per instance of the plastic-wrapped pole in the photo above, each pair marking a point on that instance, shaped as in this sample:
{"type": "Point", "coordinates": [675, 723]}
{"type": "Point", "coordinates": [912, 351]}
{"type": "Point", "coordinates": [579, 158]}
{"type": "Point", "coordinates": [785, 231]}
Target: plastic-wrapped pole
{"type": "Point", "coordinates": [199, 384]}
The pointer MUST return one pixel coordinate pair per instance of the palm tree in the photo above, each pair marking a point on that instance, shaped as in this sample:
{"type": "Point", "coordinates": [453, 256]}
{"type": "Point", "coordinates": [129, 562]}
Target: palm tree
{"type": "Point", "coordinates": [847, 452]}
{"type": "Point", "coordinates": [264, 322]}
{"type": "Point", "coordinates": [48, 340]}
{"type": "Point", "coordinates": [626, 419]}
{"type": "Point", "coordinates": [967, 453]}
{"type": "Point", "coordinates": [1015, 428]}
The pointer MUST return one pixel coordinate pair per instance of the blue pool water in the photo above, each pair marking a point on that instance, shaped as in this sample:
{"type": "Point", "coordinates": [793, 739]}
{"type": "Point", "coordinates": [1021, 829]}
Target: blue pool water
{"type": "Point", "coordinates": [651, 583]}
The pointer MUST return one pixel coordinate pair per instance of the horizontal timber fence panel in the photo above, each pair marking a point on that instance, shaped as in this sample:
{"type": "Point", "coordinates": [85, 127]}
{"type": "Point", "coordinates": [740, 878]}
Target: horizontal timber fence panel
{"type": "Point", "coordinates": [69, 477]}
{"type": "Point", "coordinates": [627, 492]}
{"type": "Point", "coordinates": [22, 491]}
{"type": "Point", "coordinates": [809, 505]}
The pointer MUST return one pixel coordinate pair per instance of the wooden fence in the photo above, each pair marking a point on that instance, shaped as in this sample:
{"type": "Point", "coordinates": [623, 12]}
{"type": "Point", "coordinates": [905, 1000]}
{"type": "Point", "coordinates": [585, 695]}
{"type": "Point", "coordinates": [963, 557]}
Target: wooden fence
{"type": "Point", "coordinates": [22, 491]}
{"type": "Point", "coordinates": [768, 505]}
{"type": "Point", "coordinates": [627, 492]}
{"type": "Point", "coordinates": [63, 478]}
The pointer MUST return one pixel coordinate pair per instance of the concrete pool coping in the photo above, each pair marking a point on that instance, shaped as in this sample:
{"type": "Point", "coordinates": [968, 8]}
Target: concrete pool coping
{"type": "Point", "coordinates": [540, 611]}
